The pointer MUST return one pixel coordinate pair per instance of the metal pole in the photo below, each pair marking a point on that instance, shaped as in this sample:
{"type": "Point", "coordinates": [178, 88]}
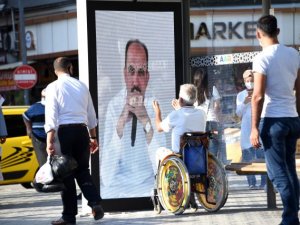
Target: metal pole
{"type": "Point", "coordinates": [266, 6]}
{"type": "Point", "coordinates": [23, 46]}
{"type": "Point", "coordinates": [186, 40]}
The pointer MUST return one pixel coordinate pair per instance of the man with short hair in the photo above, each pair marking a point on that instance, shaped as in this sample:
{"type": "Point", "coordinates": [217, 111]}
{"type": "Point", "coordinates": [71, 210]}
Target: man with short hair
{"type": "Point", "coordinates": [34, 119]}
{"type": "Point", "coordinates": [70, 113]}
{"type": "Point", "coordinates": [243, 110]}
{"type": "Point", "coordinates": [185, 119]}
{"type": "Point", "coordinates": [129, 141]}
{"type": "Point", "coordinates": [275, 113]}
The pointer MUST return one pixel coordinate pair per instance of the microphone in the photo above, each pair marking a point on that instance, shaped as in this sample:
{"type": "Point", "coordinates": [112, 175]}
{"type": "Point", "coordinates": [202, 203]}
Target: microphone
{"type": "Point", "coordinates": [133, 129]}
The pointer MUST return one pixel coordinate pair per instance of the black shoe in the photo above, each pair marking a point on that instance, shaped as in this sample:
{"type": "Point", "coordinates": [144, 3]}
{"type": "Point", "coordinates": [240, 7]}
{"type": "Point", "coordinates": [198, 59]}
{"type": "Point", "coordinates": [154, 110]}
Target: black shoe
{"type": "Point", "coordinates": [61, 221]}
{"type": "Point", "coordinates": [97, 212]}
{"type": "Point", "coordinates": [194, 206]}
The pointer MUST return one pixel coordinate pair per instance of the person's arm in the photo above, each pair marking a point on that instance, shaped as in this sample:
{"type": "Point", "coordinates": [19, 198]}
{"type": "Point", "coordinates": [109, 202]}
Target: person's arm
{"type": "Point", "coordinates": [51, 116]}
{"type": "Point", "coordinates": [94, 147]}
{"type": "Point", "coordinates": [297, 92]}
{"type": "Point", "coordinates": [175, 104]}
{"type": "Point", "coordinates": [50, 142]}
{"type": "Point", "coordinates": [241, 103]}
{"type": "Point", "coordinates": [158, 119]}
{"type": "Point", "coordinates": [28, 126]}
{"type": "Point", "coordinates": [240, 106]}
{"type": "Point", "coordinates": [217, 99]}
{"type": "Point", "coordinates": [257, 102]}
{"type": "Point", "coordinates": [3, 131]}
{"type": "Point", "coordinates": [92, 124]}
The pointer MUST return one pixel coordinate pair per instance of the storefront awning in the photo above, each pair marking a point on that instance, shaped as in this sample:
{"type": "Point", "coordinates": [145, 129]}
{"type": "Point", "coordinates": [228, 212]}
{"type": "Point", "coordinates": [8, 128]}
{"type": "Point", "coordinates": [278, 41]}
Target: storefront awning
{"type": "Point", "coordinates": [14, 65]}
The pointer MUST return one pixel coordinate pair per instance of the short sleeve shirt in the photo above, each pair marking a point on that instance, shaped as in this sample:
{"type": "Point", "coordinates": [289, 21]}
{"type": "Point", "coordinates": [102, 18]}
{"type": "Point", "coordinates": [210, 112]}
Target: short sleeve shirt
{"type": "Point", "coordinates": [186, 119]}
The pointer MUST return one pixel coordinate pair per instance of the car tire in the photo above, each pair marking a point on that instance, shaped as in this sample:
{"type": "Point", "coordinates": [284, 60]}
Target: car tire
{"type": "Point", "coordinates": [27, 185]}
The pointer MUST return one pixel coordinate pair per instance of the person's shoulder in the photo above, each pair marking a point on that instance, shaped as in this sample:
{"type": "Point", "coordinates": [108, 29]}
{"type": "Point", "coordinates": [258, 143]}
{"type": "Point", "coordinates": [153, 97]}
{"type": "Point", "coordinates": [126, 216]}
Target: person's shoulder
{"type": "Point", "coordinates": [242, 92]}
{"type": "Point", "coordinates": [291, 49]}
{"type": "Point", "coordinates": [200, 111]}
{"type": "Point", "coordinates": [260, 55]}
{"type": "Point", "coordinates": [51, 85]}
{"type": "Point", "coordinates": [175, 113]}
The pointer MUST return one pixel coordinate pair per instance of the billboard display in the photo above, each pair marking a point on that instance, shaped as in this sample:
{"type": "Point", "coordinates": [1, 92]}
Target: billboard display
{"type": "Point", "coordinates": [128, 82]}
{"type": "Point", "coordinates": [135, 57]}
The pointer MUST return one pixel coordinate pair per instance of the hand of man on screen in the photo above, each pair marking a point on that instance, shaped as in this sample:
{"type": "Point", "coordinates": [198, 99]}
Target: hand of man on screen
{"type": "Point", "coordinates": [135, 106]}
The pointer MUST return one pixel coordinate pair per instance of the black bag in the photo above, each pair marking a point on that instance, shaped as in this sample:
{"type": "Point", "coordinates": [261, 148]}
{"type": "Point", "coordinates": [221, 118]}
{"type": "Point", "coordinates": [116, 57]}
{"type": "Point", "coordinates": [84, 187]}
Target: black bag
{"type": "Point", "coordinates": [62, 166]}
{"type": "Point", "coordinates": [54, 186]}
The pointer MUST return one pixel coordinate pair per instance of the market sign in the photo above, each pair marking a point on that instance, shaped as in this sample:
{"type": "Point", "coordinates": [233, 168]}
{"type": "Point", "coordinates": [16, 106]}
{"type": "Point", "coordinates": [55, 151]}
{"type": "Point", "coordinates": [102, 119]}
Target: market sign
{"type": "Point", "coordinates": [25, 77]}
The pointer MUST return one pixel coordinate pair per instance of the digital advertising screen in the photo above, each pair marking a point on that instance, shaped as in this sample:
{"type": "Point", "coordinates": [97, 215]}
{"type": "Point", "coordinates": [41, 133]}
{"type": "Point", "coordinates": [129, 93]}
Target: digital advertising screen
{"type": "Point", "coordinates": [138, 60]}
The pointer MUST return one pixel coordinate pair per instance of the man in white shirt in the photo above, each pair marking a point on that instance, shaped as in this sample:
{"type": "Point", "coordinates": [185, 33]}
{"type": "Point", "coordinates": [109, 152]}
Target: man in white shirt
{"type": "Point", "coordinates": [275, 113]}
{"type": "Point", "coordinates": [185, 119]}
{"type": "Point", "coordinates": [129, 143]}
{"type": "Point", "coordinates": [243, 110]}
{"type": "Point", "coordinates": [69, 111]}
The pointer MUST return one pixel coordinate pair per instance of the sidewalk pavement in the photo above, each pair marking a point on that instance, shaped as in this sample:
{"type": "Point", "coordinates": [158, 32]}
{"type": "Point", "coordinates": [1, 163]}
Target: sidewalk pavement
{"type": "Point", "coordinates": [243, 207]}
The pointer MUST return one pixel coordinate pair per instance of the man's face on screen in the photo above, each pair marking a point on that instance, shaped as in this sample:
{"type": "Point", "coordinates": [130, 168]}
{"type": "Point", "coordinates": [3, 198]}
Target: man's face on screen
{"type": "Point", "coordinates": [136, 70]}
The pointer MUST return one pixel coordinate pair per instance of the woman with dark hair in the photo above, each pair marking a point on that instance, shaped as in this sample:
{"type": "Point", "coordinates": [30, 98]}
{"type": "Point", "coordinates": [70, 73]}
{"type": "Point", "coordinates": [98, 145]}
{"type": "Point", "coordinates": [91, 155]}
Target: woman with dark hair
{"type": "Point", "coordinates": [201, 82]}
{"type": "Point", "coordinates": [209, 101]}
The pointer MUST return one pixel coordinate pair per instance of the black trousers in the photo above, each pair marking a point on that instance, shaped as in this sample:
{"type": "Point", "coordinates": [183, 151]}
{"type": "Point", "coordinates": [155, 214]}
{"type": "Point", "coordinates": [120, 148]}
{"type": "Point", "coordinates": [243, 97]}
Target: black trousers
{"type": "Point", "coordinates": [74, 141]}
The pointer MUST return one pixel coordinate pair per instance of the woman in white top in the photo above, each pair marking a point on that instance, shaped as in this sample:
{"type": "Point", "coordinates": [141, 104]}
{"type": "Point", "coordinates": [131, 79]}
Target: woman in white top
{"type": "Point", "coordinates": [209, 101]}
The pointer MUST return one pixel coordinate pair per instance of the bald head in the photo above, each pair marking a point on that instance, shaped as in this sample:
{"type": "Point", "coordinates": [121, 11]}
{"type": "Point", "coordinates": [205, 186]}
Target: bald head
{"type": "Point", "coordinates": [62, 64]}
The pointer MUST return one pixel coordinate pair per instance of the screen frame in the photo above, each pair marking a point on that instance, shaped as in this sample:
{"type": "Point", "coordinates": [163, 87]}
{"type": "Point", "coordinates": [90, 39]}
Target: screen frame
{"type": "Point", "coordinates": [176, 7]}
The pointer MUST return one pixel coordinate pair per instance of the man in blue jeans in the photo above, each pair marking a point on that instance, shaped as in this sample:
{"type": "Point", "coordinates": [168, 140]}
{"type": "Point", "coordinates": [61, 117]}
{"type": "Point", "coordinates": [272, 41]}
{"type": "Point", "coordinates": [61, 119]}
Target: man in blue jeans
{"type": "Point", "coordinates": [275, 113]}
{"type": "Point", "coordinates": [243, 110]}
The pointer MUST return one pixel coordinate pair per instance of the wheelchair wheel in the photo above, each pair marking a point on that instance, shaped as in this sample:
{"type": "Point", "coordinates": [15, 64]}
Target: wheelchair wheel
{"type": "Point", "coordinates": [173, 185]}
{"type": "Point", "coordinates": [216, 193]}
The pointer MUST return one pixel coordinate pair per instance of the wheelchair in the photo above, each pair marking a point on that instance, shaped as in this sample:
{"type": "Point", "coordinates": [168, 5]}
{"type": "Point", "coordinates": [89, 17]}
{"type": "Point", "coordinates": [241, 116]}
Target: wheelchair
{"type": "Point", "coordinates": [193, 172]}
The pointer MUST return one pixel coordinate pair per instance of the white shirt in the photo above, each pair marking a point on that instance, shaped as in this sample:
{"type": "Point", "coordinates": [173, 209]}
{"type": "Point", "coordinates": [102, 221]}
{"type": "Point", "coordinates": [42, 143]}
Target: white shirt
{"type": "Point", "coordinates": [127, 171]}
{"type": "Point", "coordinates": [280, 65]}
{"type": "Point", "coordinates": [68, 100]}
{"type": "Point", "coordinates": [186, 119]}
{"type": "Point", "coordinates": [208, 105]}
{"type": "Point", "coordinates": [244, 112]}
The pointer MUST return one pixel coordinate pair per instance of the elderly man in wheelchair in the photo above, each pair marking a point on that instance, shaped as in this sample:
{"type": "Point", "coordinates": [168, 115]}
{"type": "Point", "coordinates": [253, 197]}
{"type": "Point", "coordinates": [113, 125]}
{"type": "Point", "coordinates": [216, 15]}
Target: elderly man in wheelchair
{"type": "Point", "coordinates": [188, 169]}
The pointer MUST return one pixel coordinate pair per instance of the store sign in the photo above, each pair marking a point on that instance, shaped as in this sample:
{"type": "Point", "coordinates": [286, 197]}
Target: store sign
{"type": "Point", "coordinates": [237, 29]}
{"type": "Point", "coordinates": [25, 77]}
{"type": "Point", "coordinates": [224, 59]}
{"type": "Point", "coordinates": [230, 30]}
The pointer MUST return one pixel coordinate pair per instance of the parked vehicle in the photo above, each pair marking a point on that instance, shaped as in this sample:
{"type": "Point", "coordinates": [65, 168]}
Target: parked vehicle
{"type": "Point", "coordinates": [18, 163]}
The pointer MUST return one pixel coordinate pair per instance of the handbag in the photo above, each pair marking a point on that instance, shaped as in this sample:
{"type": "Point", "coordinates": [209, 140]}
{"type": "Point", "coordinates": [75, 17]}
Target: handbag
{"type": "Point", "coordinates": [54, 186]}
{"type": "Point", "coordinates": [195, 158]}
{"type": "Point", "coordinates": [44, 175]}
{"type": "Point", "coordinates": [63, 166]}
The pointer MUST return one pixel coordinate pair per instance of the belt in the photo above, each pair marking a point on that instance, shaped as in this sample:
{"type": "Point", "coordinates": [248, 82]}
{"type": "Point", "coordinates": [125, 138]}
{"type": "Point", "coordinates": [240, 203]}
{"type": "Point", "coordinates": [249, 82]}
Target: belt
{"type": "Point", "coordinates": [73, 125]}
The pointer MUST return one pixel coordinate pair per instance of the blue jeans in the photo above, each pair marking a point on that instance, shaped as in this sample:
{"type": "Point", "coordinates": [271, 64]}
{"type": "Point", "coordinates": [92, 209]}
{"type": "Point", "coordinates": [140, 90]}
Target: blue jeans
{"type": "Point", "coordinates": [279, 137]}
{"type": "Point", "coordinates": [249, 155]}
